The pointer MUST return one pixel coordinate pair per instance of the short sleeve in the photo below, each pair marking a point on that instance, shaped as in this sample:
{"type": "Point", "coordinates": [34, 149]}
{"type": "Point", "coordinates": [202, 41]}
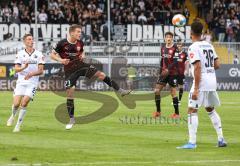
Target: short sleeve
{"type": "Point", "coordinates": [58, 47]}
{"type": "Point", "coordinates": [215, 56]}
{"type": "Point", "coordinates": [18, 59]}
{"type": "Point", "coordinates": [193, 54]}
{"type": "Point", "coordinates": [41, 60]}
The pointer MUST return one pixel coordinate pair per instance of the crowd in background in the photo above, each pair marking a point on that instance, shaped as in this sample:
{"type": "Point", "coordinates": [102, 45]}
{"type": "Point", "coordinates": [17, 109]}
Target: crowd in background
{"type": "Point", "coordinates": [224, 20]}
{"type": "Point", "coordinates": [92, 12]}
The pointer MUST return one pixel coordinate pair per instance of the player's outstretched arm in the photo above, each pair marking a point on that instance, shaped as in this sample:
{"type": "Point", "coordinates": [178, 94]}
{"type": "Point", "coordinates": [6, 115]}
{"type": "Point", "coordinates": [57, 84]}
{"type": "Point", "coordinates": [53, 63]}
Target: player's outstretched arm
{"type": "Point", "coordinates": [216, 64]}
{"type": "Point", "coordinates": [54, 56]}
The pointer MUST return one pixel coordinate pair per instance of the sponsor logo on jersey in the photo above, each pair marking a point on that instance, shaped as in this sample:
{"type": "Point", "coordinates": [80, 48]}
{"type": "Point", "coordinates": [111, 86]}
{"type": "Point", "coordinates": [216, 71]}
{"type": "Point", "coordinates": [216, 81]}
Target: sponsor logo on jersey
{"type": "Point", "coordinates": [78, 48]}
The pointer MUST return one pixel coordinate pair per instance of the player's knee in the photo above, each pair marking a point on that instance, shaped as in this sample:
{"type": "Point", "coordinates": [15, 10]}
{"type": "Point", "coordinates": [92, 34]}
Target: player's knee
{"type": "Point", "coordinates": [16, 105]}
{"type": "Point", "coordinates": [101, 75]}
{"type": "Point", "coordinates": [209, 109]}
{"type": "Point", "coordinates": [192, 110]}
{"type": "Point", "coordinates": [24, 104]}
{"type": "Point", "coordinates": [157, 91]}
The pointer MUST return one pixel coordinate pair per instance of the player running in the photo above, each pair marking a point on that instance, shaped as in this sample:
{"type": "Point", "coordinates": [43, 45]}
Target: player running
{"type": "Point", "coordinates": [182, 68]}
{"type": "Point", "coordinates": [168, 74]}
{"type": "Point", "coordinates": [204, 61]}
{"type": "Point", "coordinates": [70, 53]}
{"type": "Point", "coordinates": [29, 64]}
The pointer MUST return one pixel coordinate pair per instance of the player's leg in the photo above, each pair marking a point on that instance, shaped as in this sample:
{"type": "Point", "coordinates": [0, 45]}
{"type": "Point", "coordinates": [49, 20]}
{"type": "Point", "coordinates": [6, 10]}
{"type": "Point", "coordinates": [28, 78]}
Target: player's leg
{"type": "Point", "coordinates": [157, 91]}
{"type": "Point", "coordinates": [102, 76]}
{"type": "Point", "coordinates": [180, 86]}
{"type": "Point", "coordinates": [193, 106]}
{"type": "Point", "coordinates": [24, 103]}
{"type": "Point", "coordinates": [211, 101]}
{"type": "Point", "coordinates": [15, 106]}
{"type": "Point", "coordinates": [70, 106]}
{"type": "Point", "coordinates": [173, 90]}
{"type": "Point", "coordinates": [216, 121]}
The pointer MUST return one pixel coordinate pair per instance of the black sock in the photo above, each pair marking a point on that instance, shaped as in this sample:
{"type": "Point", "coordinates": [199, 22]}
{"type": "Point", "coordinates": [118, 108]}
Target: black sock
{"type": "Point", "coordinates": [70, 107]}
{"type": "Point", "coordinates": [158, 101]}
{"type": "Point", "coordinates": [111, 83]}
{"type": "Point", "coordinates": [175, 105]}
{"type": "Point", "coordinates": [180, 93]}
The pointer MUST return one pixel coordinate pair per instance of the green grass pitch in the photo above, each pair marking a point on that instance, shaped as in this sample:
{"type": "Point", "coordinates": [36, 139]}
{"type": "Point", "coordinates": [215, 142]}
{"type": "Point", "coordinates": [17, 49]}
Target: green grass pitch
{"type": "Point", "coordinates": [112, 141]}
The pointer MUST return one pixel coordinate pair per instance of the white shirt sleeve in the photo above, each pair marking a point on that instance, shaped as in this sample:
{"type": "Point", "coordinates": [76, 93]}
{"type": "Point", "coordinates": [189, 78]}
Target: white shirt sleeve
{"type": "Point", "coordinates": [215, 56]}
{"type": "Point", "coordinates": [193, 54]}
{"type": "Point", "coordinates": [18, 59]}
{"type": "Point", "coordinates": [41, 60]}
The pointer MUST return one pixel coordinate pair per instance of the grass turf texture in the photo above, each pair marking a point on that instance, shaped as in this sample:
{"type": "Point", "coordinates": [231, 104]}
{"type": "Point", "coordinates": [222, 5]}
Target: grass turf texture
{"type": "Point", "coordinates": [111, 141]}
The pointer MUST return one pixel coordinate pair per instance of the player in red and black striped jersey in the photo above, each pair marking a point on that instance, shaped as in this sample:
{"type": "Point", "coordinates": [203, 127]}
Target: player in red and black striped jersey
{"type": "Point", "coordinates": [182, 67]}
{"type": "Point", "coordinates": [168, 74]}
{"type": "Point", "coordinates": [70, 52]}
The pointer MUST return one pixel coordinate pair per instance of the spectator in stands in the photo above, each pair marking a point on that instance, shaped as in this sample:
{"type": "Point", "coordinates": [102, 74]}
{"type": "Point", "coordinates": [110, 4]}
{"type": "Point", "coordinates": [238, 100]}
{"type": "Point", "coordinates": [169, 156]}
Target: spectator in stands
{"type": "Point", "coordinates": [236, 60]}
{"type": "Point", "coordinates": [42, 17]}
{"type": "Point", "coordinates": [222, 29]}
{"type": "Point", "coordinates": [186, 13]}
{"type": "Point", "coordinates": [142, 19]}
{"type": "Point", "coordinates": [25, 18]}
{"type": "Point", "coordinates": [207, 36]}
{"type": "Point", "coordinates": [6, 13]}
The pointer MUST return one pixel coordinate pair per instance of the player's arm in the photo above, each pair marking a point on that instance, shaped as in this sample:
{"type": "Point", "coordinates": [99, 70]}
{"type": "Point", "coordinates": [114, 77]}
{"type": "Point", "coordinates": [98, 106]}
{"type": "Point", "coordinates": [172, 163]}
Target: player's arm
{"type": "Point", "coordinates": [187, 64]}
{"type": "Point", "coordinates": [216, 60]}
{"type": "Point", "coordinates": [19, 68]}
{"type": "Point", "coordinates": [197, 74]}
{"type": "Point", "coordinates": [18, 64]}
{"type": "Point", "coordinates": [55, 56]}
{"type": "Point", "coordinates": [194, 59]}
{"type": "Point", "coordinates": [35, 73]}
{"type": "Point", "coordinates": [82, 56]}
{"type": "Point", "coordinates": [216, 63]}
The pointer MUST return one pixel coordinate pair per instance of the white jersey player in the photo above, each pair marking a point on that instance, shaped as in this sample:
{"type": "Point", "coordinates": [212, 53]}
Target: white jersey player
{"type": "Point", "coordinates": [204, 61]}
{"type": "Point", "coordinates": [29, 64]}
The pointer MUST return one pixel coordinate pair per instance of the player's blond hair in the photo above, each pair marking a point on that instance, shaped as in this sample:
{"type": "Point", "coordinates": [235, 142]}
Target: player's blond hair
{"type": "Point", "coordinates": [26, 35]}
{"type": "Point", "coordinates": [74, 27]}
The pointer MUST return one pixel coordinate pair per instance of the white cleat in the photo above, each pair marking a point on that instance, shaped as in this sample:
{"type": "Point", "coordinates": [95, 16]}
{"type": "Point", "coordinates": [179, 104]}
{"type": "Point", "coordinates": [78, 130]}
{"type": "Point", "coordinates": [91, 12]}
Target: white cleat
{"type": "Point", "coordinates": [10, 121]}
{"type": "Point", "coordinates": [16, 129]}
{"type": "Point", "coordinates": [70, 124]}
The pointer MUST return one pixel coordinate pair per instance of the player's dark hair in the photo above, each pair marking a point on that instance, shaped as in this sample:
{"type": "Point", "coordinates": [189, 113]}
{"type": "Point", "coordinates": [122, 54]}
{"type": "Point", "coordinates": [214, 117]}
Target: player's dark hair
{"type": "Point", "coordinates": [197, 28]}
{"type": "Point", "coordinates": [73, 27]}
{"type": "Point", "coordinates": [168, 33]}
{"type": "Point", "coordinates": [26, 35]}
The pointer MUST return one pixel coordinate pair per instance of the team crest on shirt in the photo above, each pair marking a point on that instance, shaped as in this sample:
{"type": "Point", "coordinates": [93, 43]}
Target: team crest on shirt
{"type": "Point", "coordinates": [35, 56]}
{"type": "Point", "coordinates": [191, 55]}
{"type": "Point", "coordinates": [78, 48]}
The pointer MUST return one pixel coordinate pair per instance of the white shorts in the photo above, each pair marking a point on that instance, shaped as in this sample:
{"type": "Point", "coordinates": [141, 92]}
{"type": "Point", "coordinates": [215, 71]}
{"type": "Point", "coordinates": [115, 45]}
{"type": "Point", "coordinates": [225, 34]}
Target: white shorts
{"type": "Point", "coordinates": [25, 90]}
{"type": "Point", "coordinates": [205, 99]}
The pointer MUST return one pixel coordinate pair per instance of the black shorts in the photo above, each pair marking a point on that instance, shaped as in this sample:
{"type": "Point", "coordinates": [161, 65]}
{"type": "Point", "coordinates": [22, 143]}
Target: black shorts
{"type": "Point", "coordinates": [171, 80]}
{"type": "Point", "coordinates": [180, 79]}
{"type": "Point", "coordinates": [71, 76]}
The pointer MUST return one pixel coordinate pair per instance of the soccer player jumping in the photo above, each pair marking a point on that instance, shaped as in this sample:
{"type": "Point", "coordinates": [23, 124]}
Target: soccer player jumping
{"type": "Point", "coordinates": [70, 53]}
{"type": "Point", "coordinates": [204, 62]}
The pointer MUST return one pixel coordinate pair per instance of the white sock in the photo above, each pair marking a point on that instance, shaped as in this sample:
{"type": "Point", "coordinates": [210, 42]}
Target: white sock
{"type": "Point", "coordinates": [192, 127]}
{"type": "Point", "coordinates": [216, 121]}
{"type": "Point", "coordinates": [21, 115]}
{"type": "Point", "coordinates": [14, 111]}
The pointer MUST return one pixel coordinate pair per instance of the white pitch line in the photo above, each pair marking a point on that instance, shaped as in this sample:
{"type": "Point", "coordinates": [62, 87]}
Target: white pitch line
{"type": "Point", "coordinates": [82, 163]}
{"type": "Point", "coordinates": [207, 161]}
